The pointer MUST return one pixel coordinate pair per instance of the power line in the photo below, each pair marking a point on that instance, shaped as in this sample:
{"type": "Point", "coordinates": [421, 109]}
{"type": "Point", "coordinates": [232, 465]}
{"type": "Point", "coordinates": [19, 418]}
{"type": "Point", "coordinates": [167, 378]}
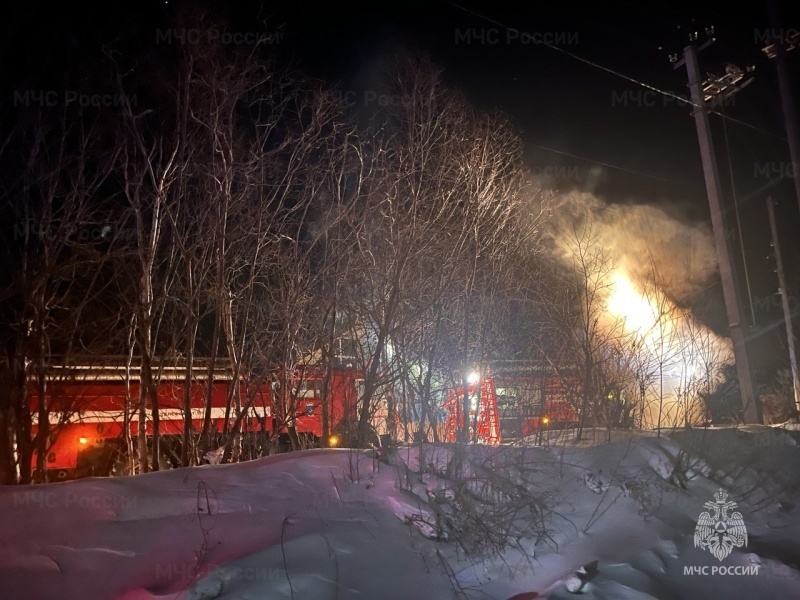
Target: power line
{"type": "Point", "coordinates": [597, 162]}
{"type": "Point", "coordinates": [650, 44]}
{"type": "Point", "coordinates": [617, 73]}
{"type": "Point", "coordinates": [739, 225]}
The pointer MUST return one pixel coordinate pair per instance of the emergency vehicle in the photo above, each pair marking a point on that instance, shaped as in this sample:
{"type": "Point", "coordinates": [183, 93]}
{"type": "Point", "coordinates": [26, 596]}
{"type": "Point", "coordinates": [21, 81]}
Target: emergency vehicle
{"type": "Point", "coordinates": [86, 405]}
{"type": "Point", "coordinates": [512, 402]}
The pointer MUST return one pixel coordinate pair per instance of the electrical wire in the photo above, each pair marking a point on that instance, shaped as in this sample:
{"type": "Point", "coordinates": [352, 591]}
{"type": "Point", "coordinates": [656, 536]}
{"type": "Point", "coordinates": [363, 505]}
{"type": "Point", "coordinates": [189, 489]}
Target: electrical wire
{"type": "Point", "coordinates": [618, 74]}
{"type": "Point", "coordinates": [597, 162]}
{"type": "Point", "coordinates": [739, 225]}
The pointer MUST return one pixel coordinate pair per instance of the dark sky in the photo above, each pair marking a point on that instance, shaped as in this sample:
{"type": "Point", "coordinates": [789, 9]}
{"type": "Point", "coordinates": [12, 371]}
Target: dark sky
{"type": "Point", "coordinates": [554, 100]}
{"type": "Point", "coordinates": [640, 146]}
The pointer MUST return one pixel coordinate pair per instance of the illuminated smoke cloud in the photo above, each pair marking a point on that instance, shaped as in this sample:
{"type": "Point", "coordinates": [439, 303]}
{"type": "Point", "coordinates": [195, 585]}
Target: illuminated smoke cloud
{"type": "Point", "coordinates": [652, 263]}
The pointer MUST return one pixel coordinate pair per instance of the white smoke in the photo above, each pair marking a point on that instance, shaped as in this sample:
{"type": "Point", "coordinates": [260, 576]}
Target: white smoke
{"type": "Point", "coordinates": [652, 263]}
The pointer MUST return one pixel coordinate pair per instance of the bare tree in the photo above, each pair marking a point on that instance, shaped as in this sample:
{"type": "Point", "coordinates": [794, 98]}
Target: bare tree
{"type": "Point", "coordinates": [438, 220]}
{"type": "Point", "coordinates": [339, 182]}
{"type": "Point", "coordinates": [149, 169]}
{"type": "Point", "coordinates": [59, 248]}
{"type": "Point", "coordinates": [576, 305]}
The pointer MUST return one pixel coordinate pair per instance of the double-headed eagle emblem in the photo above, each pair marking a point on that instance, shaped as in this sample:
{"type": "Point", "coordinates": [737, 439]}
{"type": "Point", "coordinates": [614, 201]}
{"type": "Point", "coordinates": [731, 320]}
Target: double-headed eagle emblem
{"type": "Point", "coordinates": [721, 533]}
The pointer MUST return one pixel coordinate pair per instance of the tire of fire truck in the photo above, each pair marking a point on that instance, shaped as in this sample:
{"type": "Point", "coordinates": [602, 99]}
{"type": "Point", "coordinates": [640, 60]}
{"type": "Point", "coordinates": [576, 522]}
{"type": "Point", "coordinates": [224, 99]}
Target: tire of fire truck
{"type": "Point", "coordinates": [55, 475]}
{"type": "Point", "coordinates": [61, 475]}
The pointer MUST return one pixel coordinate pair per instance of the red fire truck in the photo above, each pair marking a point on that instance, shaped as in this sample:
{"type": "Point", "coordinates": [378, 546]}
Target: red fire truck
{"type": "Point", "coordinates": [306, 396]}
{"type": "Point", "coordinates": [512, 404]}
{"type": "Point", "coordinates": [87, 403]}
{"type": "Point", "coordinates": [86, 406]}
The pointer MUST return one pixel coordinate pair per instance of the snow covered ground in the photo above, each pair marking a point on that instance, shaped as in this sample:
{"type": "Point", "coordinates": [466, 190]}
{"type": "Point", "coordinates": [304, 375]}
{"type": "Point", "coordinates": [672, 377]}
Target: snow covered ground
{"type": "Point", "coordinates": [613, 521]}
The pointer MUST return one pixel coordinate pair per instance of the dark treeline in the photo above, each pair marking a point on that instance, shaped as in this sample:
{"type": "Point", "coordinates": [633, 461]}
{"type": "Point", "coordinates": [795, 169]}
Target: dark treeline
{"type": "Point", "coordinates": [201, 202]}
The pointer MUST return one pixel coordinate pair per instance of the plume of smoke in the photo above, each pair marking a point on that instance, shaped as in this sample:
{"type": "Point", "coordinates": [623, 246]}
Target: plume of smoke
{"type": "Point", "coordinates": [655, 262]}
{"type": "Point", "coordinates": [652, 246]}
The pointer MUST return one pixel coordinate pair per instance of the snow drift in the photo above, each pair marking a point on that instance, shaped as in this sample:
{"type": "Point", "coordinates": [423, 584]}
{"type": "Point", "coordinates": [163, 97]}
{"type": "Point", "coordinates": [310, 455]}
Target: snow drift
{"type": "Point", "coordinates": [607, 521]}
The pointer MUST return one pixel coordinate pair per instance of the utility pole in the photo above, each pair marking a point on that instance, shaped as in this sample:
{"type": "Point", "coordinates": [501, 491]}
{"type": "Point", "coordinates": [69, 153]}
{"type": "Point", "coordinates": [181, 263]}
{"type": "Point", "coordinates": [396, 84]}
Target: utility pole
{"type": "Point", "coordinates": [701, 92]}
{"type": "Point", "coordinates": [787, 315]}
{"type": "Point", "coordinates": [782, 43]}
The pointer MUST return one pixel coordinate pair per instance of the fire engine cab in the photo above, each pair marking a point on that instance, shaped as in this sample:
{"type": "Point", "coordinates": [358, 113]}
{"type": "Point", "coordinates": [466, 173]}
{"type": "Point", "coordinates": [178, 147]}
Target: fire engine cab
{"type": "Point", "coordinates": [512, 402]}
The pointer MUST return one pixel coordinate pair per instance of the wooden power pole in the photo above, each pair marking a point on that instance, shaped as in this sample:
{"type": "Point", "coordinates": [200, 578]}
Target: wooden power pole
{"type": "Point", "coordinates": [783, 41]}
{"type": "Point", "coordinates": [702, 91]}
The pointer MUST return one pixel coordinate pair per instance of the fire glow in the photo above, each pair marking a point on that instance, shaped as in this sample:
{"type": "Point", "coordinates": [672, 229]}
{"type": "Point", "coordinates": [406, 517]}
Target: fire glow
{"type": "Point", "coordinates": [681, 354]}
{"type": "Point", "coordinates": [639, 314]}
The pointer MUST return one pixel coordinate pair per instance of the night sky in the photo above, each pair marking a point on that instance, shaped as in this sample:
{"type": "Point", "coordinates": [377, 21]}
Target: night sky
{"type": "Point", "coordinates": [627, 145]}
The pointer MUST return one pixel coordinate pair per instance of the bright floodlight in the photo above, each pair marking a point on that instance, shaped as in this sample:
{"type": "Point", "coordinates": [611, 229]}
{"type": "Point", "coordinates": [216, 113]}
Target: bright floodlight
{"type": "Point", "coordinates": [473, 378]}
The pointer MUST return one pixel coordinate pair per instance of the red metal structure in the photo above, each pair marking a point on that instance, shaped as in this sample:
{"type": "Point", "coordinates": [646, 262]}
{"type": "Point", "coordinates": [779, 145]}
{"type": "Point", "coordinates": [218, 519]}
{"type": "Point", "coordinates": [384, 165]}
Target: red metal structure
{"type": "Point", "coordinates": [512, 405]}
{"type": "Point", "coordinates": [483, 417]}
{"type": "Point", "coordinates": [86, 407]}
{"type": "Point", "coordinates": [306, 398]}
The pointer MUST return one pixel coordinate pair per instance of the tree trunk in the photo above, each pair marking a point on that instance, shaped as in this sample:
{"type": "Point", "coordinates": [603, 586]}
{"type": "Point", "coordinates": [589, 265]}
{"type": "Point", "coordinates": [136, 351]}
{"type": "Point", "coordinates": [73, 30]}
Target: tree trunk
{"type": "Point", "coordinates": [206, 436]}
{"type": "Point", "coordinates": [43, 417]}
{"type": "Point", "coordinates": [329, 356]}
{"type": "Point", "coordinates": [188, 381]}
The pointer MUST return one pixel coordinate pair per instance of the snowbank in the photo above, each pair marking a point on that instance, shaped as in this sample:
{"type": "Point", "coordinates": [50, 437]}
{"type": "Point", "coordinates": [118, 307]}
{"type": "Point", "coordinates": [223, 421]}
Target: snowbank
{"type": "Point", "coordinates": [610, 521]}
